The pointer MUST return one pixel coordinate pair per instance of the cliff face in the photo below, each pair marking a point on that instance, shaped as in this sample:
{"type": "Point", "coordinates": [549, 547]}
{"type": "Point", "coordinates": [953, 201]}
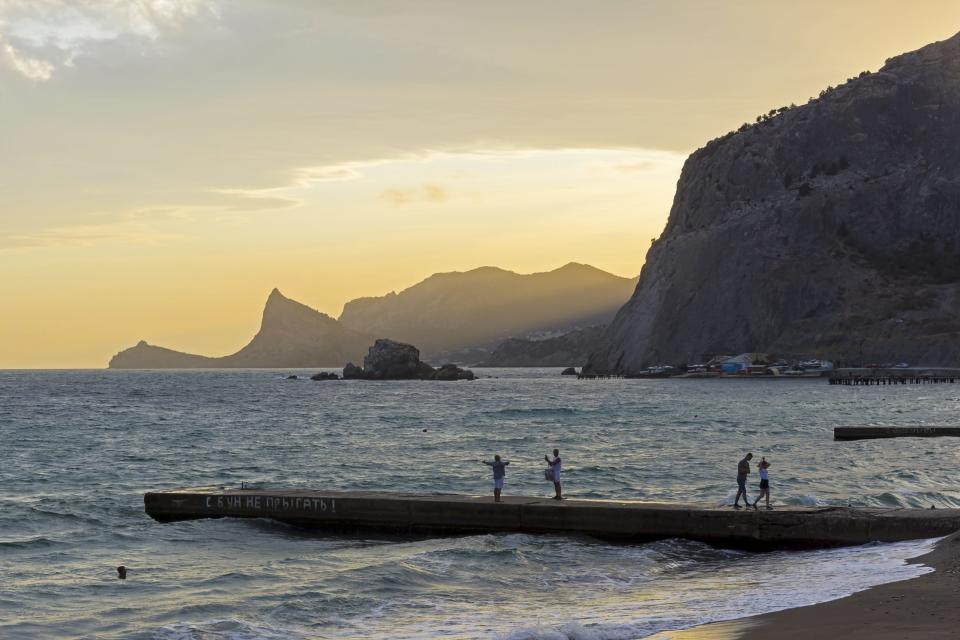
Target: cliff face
{"type": "Point", "coordinates": [569, 349]}
{"type": "Point", "coordinates": [291, 335]}
{"type": "Point", "coordinates": [830, 229]}
{"type": "Point", "coordinates": [450, 311]}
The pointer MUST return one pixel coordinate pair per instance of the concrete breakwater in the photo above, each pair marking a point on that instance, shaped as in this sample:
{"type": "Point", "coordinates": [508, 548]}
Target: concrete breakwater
{"type": "Point", "coordinates": [426, 514]}
{"type": "Point", "coordinates": [869, 433]}
{"type": "Point", "coordinates": [877, 376]}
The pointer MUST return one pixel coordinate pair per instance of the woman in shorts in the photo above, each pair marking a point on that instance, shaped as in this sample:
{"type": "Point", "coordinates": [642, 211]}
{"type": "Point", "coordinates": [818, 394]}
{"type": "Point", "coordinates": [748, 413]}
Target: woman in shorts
{"type": "Point", "coordinates": [764, 483]}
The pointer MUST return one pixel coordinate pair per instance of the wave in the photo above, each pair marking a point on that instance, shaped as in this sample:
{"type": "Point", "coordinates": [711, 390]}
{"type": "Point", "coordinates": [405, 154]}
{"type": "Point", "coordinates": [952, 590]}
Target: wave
{"type": "Point", "coordinates": [33, 542]}
{"type": "Point", "coordinates": [540, 412]}
{"type": "Point", "coordinates": [64, 515]}
{"type": "Point", "coordinates": [227, 629]}
{"type": "Point", "coordinates": [777, 581]}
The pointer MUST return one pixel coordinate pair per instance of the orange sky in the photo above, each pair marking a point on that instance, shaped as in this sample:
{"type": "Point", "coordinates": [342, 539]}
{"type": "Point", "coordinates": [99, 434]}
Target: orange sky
{"type": "Point", "coordinates": [165, 164]}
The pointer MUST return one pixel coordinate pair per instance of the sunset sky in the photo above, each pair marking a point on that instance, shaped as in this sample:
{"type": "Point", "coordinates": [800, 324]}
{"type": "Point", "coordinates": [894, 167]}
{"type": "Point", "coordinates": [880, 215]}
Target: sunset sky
{"type": "Point", "coordinates": [166, 163]}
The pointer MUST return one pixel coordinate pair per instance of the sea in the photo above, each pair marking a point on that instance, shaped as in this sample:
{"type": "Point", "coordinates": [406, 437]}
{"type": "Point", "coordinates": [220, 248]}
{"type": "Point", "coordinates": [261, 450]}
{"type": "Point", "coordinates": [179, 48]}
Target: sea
{"type": "Point", "coordinates": [78, 449]}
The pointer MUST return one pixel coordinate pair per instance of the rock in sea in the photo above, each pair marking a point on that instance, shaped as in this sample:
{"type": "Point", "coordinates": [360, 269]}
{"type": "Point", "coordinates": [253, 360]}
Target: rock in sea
{"type": "Point", "coordinates": [352, 372]}
{"type": "Point", "coordinates": [391, 360]}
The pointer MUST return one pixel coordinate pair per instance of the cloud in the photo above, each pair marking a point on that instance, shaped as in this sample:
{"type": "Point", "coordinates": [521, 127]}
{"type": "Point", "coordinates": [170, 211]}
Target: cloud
{"type": "Point", "coordinates": [253, 199]}
{"type": "Point", "coordinates": [145, 224]}
{"type": "Point", "coordinates": [429, 193]}
{"type": "Point", "coordinates": [39, 36]}
{"type": "Point", "coordinates": [433, 193]}
{"type": "Point", "coordinates": [641, 165]}
{"type": "Point", "coordinates": [88, 235]}
{"type": "Point", "coordinates": [30, 68]}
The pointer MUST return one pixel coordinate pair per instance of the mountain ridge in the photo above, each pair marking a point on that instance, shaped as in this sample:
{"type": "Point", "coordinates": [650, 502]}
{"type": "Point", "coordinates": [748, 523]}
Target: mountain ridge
{"type": "Point", "coordinates": [490, 304]}
{"type": "Point", "coordinates": [292, 334]}
{"type": "Point", "coordinates": [829, 229]}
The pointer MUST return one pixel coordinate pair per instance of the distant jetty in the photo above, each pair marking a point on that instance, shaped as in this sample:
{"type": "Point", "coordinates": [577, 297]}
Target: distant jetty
{"type": "Point", "coordinates": [426, 514]}
{"type": "Point", "coordinates": [873, 433]}
{"type": "Point", "coordinates": [881, 376]}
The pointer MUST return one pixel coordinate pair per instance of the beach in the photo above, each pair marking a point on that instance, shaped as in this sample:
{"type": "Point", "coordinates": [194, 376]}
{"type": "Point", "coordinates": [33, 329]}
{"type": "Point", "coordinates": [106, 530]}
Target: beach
{"type": "Point", "coordinates": [924, 607]}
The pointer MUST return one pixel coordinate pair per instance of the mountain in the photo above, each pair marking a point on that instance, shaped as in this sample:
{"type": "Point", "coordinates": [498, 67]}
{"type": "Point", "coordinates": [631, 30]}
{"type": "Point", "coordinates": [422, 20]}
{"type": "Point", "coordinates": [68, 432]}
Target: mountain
{"type": "Point", "coordinates": [466, 312]}
{"type": "Point", "coordinates": [477, 308]}
{"type": "Point", "coordinates": [291, 335]}
{"type": "Point", "coordinates": [830, 229]}
{"type": "Point", "coordinates": [569, 349]}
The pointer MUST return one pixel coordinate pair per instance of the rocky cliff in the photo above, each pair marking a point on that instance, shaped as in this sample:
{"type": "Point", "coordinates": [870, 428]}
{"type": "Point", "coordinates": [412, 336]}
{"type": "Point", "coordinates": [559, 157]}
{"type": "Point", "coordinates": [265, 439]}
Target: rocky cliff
{"type": "Point", "coordinates": [458, 310]}
{"type": "Point", "coordinates": [571, 348]}
{"type": "Point", "coordinates": [830, 229]}
{"type": "Point", "coordinates": [291, 335]}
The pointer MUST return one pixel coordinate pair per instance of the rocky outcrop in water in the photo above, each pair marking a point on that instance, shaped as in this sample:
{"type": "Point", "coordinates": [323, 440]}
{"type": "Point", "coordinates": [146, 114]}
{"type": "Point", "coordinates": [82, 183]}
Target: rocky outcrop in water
{"type": "Point", "coordinates": [292, 335]}
{"type": "Point", "coordinates": [571, 348]}
{"type": "Point", "coordinates": [830, 229]}
{"type": "Point", "coordinates": [391, 360]}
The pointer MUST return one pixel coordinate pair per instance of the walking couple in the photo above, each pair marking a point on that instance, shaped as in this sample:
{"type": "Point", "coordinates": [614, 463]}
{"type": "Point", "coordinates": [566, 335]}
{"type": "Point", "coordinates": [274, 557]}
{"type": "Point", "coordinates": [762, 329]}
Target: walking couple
{"type": "Point", "coordinates": [743, 470]}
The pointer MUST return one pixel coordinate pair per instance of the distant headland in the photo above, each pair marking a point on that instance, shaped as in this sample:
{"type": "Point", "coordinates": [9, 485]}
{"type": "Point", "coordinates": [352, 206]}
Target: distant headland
{"type": "Point", "coordinates": [456, 316]}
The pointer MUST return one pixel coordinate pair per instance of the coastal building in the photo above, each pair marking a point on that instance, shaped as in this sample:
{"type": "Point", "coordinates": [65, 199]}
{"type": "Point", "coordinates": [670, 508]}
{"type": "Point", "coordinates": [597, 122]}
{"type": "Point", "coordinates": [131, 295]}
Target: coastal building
{"type": "Point", "coordinates": [737, 364]}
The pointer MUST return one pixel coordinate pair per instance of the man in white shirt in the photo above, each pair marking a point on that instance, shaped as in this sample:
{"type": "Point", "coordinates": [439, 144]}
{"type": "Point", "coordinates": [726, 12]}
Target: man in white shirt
{"type": "Point", "coordinates": [557, 467]}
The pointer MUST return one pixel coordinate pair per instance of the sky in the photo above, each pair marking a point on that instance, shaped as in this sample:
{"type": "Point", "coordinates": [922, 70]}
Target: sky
{"type": "Point", "coordinates": [165, 163]}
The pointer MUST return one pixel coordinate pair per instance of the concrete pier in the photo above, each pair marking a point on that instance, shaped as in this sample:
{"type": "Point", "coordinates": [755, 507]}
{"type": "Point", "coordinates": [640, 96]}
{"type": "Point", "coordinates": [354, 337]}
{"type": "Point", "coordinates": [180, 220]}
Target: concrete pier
{"type": "Point", "coordinates": [867, 433]}
{"type": "Point", "coordinates": [424, 514]}
{"type": "Point", "coordinates": [879, 376]}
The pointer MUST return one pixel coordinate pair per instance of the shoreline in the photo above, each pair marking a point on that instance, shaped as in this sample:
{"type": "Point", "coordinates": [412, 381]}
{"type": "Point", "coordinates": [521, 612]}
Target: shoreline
{"type": "Point", "coordinates": [921, 607]}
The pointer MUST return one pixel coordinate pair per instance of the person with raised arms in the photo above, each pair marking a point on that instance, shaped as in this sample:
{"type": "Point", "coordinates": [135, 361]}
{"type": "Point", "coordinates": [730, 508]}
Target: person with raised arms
{"type": "Point", "coordinates": [499, 473]}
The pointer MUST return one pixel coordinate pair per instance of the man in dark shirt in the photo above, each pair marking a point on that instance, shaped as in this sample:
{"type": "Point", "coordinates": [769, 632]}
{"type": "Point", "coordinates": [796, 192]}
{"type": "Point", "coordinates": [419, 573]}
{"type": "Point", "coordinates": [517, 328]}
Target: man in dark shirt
{"type": "Point", "coordinates": [743, 470]}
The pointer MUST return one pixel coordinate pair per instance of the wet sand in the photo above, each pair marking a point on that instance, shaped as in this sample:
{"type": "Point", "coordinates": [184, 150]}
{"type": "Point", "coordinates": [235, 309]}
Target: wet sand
{"type": "Point", "coordinates": [924, 607]}
{"type": "Point", "coordinates": [731, 630]}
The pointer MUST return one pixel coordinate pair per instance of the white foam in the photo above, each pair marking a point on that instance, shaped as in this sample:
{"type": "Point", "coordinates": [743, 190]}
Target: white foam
{"type": "Point", "coordinates": [227, 629]}
{"type": "Point", "coordinates": [771, 582]}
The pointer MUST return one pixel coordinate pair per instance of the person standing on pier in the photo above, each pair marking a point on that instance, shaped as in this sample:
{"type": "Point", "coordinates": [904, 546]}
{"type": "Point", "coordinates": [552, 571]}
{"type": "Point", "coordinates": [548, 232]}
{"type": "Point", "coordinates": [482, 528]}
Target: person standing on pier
{"type": "Point", "coordinates": [556, 466]}
{"type": "Point", "coordinates": [499, 473]}
{"type": "Point", "coordinates": [764, 483]}
{"type": "Point", "coordinates": [743, 470]}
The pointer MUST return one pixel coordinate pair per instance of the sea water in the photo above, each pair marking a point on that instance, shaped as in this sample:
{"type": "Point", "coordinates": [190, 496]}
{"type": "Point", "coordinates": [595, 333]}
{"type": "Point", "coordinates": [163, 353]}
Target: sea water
{"type": "Point", "coordinates": [78, 450]}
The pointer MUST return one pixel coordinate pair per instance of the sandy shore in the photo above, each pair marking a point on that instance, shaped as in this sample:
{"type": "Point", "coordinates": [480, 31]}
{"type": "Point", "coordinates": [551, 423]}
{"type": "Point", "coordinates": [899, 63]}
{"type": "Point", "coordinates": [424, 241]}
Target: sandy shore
{"type": "Point", "coordinates": [922, 608]}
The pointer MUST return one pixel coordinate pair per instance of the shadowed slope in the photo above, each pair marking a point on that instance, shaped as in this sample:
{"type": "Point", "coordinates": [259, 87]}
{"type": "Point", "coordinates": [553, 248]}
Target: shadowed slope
{"type": "Point", "coordinates": [291, 335]}
{"type": "Point", "coordinates": [465, 309]}
{"type": "Point", "coordinates": [830, 229]}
